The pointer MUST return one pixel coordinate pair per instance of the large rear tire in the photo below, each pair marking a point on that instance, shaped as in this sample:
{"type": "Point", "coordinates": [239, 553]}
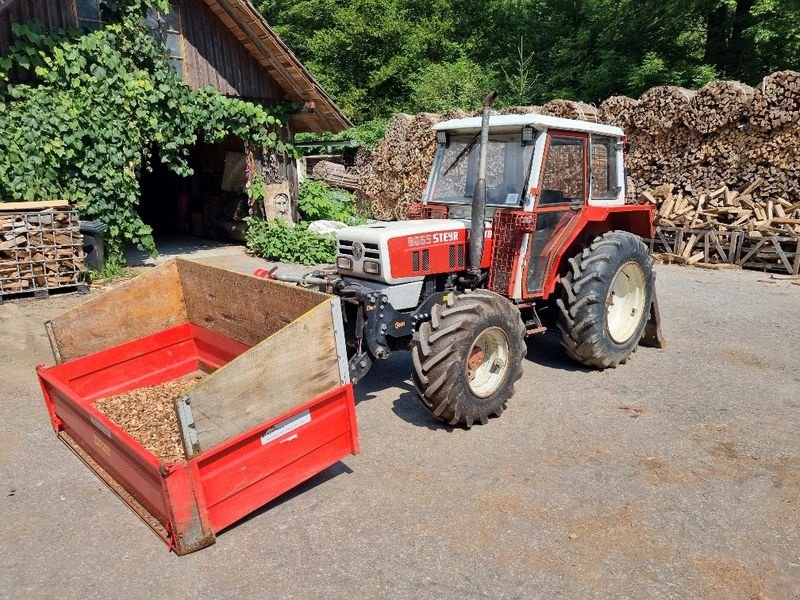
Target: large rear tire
{"type": "Point", "coordinates": [606, 300]}
{"type": "Point", "coordinates": [468, 357]}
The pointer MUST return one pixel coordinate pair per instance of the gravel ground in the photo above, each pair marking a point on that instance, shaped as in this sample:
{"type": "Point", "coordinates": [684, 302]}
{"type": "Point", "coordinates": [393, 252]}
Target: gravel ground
{"type": "Point", "coordinates": [675, 476]}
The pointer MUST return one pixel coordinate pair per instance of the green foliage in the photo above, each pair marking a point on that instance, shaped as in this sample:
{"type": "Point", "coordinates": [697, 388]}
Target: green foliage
{"type": "Point", "coordinates": [277, 240]}
{"type": "Point", "coordinates": [461, 84]}
{"type": "Point", "coordinates": [378, 57]}
{"type": "Point", "coordinates": [367, 134]}
{"type": "Point", "coordinates": [319, 201]}
{"type": "Point", "coordinates": [97, 106]}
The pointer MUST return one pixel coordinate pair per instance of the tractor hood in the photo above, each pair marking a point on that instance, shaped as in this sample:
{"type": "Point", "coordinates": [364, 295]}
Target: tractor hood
{"type": "Point", "coordinates": [401, 251]}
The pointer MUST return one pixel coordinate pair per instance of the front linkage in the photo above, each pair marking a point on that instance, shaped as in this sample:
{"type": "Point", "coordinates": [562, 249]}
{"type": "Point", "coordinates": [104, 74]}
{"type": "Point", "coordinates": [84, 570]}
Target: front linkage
{"type": "Point", "coordinates": [379, 328]}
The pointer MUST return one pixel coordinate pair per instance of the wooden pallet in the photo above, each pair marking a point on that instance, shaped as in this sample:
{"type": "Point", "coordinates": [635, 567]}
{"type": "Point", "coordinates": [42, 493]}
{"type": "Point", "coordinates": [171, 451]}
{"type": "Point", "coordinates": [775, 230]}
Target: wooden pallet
{"type": "Point", "coordinates": [696, 245]}
{"type": "Point", "coordinates": [780, 254]}
{"type": "Point", "coordinates": [80, 288]}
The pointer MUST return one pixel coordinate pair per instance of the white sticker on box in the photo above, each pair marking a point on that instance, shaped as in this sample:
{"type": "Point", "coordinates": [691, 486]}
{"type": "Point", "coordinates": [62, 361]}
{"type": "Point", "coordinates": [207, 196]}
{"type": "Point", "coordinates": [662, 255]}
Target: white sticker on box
{"type": "Point", "coordinates": [286, 426]}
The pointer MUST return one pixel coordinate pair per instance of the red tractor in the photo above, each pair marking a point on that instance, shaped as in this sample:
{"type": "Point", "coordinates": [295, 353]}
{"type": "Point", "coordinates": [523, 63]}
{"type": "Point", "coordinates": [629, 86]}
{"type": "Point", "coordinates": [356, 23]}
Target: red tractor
{"type": "Point", "coordinates": [522, 226]}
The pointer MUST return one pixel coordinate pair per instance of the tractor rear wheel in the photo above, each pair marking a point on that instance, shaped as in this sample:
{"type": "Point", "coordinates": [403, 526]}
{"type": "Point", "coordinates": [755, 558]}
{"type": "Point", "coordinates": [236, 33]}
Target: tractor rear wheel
{"type": "Point", "coordinates": [468, 357]}
{"type": "Point", "coordinates": [606, 300]}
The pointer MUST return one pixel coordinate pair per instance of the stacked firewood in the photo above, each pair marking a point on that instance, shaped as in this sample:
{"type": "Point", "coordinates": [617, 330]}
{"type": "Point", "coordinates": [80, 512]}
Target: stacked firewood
{"type": "Point", "coordinates": [569, 109]}
{"type": "Point", "coordinates": [397, 169]}
{"type": "Point", "coordinates": [776, 102]}
{"type": "Point", "coordinates": [717, 105]}
{"type": "Point", "coordinates": [725, 209]}
{"type": "Point", "coordinates": [336, 174]}
{"type": "Point", "coordinates": [661, 108]}
{"type": "Point", "coordinates": [40, 250]}
{"type": "Point", "coordinates": [619, 111]}
{"type": "Point", "coordinates": [727, 132]}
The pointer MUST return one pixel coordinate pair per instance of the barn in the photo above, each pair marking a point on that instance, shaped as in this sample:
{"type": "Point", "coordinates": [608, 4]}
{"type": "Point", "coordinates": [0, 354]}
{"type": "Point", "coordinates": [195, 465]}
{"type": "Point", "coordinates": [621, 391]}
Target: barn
{"type": "Point", "coordinates": [226, 44]}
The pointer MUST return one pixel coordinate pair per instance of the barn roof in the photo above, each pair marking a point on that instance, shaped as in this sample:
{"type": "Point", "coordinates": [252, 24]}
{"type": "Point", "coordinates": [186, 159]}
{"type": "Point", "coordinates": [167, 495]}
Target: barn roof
{"type": "Point", "coordinates": [255, 34]}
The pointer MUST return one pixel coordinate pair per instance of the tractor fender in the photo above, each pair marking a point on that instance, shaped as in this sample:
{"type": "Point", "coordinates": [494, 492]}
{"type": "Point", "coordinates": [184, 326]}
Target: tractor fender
{"type": "Point", "coordinates": [594, 221]}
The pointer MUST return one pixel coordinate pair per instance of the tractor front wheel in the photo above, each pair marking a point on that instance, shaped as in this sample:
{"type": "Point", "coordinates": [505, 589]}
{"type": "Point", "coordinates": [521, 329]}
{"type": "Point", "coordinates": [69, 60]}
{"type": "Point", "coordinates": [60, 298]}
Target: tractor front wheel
{"type": "Point", "coordinates": [468, 357]}
{"type": "Point", "coordinates": [606, 300]}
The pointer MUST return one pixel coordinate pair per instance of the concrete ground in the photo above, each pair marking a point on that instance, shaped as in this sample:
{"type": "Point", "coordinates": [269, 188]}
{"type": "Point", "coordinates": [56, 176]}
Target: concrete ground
{"type": "Point", "coordinates": [676, 475]}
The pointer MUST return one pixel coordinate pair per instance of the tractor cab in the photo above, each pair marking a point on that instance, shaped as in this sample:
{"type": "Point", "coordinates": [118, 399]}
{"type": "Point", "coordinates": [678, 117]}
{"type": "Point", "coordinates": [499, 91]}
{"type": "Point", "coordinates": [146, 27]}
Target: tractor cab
{"type": "Point", "coordinates": [558, 162]}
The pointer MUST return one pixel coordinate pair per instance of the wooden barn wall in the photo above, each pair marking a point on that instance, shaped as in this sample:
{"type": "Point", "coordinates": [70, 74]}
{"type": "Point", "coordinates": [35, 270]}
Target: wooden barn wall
{"type": "Point", "coordinates": [54, 14]}
{"type": "Point", "coordinates": [213, 56]}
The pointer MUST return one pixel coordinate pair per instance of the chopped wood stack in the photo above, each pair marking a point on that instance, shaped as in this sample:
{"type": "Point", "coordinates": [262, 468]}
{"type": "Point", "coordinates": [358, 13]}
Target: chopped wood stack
{"type": "Point", "coordinates": [690, 141]}
{"type": "Point", "coordinates": [776, 102]}
{"type": "Point", "coordinates": [661, 108]}
{"type": "Point", "coordinates": [717, 105]}
{"type": "Point", "coordinates": [398, 167]}
{"type": "Point", "coordinates": [726, 210]}
{"type": "Point", "coordinates": [522, 110]}
{"type": "Point", "coordinates": [726, 226]}
{"type": "Point", "coordinates": [619, 111]}
{"type": "Point", "coordinates": [337, 175]}
{"type": "Point", "coordinates": [40, 251]}
{"type": "Point", "coordinates": [569, 109]}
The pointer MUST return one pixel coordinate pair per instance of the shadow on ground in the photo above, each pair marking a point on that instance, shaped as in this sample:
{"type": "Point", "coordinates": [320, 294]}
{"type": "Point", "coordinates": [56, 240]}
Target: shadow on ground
{"type": "Point", "coordinates": [544, 350]}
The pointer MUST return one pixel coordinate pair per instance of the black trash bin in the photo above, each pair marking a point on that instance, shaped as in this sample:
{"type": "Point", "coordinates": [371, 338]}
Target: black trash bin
{"type": "Point", "coordinates": [93, 246]}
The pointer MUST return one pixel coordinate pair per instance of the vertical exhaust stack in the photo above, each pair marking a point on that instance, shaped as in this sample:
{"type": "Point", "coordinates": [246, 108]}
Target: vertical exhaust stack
{"type": "Point", "coordinates": [477, 222]}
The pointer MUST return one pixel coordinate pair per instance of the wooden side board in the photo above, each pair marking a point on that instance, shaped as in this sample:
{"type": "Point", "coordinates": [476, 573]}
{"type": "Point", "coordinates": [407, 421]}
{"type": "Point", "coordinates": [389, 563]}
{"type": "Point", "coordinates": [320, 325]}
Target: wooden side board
{"type": "Point", "coordinates": [32, 206]}
{"type": "Point", "coordinates": [245, 308]}
{"type": "Point", "coordinates": [287, 370]}
{"type": "Point", "coordinates": [142, 306]}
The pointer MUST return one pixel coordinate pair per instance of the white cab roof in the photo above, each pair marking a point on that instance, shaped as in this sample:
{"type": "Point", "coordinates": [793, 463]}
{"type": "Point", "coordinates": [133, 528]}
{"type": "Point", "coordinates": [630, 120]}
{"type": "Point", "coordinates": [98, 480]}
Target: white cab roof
{"type": "Point", "coordinates": [537, 121]}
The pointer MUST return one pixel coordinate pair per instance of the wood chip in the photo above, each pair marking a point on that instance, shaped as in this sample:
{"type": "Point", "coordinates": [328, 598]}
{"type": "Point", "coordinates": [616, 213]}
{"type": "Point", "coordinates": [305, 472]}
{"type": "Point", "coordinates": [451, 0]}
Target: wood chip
{"type": "Point", "coordinates": [147, 414]}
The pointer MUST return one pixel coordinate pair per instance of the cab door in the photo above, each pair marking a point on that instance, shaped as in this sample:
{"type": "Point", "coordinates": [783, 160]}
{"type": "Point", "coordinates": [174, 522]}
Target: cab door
{"type": "Point", "coordinates": [560, 197]}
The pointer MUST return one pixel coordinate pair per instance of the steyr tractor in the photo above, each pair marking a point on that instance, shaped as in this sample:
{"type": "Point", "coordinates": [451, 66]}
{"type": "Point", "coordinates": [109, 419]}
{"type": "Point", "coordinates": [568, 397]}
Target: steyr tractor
{"type": "Point", "coordinates": [521, 227]}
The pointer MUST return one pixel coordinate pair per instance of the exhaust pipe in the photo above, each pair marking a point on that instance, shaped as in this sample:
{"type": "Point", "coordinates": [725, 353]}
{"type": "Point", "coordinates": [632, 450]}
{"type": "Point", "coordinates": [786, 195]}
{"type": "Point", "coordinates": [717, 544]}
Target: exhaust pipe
{"type": "Point", "coordinates": [477, 222]}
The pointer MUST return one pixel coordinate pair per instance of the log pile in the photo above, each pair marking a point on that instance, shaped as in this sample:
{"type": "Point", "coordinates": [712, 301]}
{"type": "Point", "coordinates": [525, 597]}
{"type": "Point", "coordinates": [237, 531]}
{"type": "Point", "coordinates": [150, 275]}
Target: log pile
{"type": "Point", "coordinates": [337, 175]}
{"type": "Point", "coordinates": [569, 109]}
{"type": "Point", "coordinates": [725, 210]}
{"type": "Point", "coordinates": [619, 111]}
{"type": "Point", "coordinates": [776, 102]}
{"type": "Point", "coordinates": [726, 226]}
{"type": "Point", "coordinates": [40, 251]}
{"type": "Point", "coordinates": [717, 105]}
{"type": "Point", "coordinates": [398, 167]}
{"type": "Point", "coordinates": [661, 108]}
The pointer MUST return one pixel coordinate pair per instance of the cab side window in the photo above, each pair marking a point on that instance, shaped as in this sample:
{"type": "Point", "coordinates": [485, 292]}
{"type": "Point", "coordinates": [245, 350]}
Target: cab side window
{"type": "Point", "coordinates": [604, 168]}
{"type": "Point", "coordinates": [564, 177]}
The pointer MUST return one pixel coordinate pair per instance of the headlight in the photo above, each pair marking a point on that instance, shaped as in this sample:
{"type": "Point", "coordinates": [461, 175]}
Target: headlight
{"type": "Point", "coordinates": [372, 266]}
{"type": "Point", "coordinates": [344, 263]}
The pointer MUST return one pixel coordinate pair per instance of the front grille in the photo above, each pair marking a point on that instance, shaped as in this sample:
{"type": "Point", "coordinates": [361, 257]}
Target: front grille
{"type": "Point", "coordinates": [426, 260]}
{"type": "Point", "coordinates": [371, 250]}
{"type": "Point", "coordinates": [451, 254]}
{"type": "Point", "coordinates": [415, 260]}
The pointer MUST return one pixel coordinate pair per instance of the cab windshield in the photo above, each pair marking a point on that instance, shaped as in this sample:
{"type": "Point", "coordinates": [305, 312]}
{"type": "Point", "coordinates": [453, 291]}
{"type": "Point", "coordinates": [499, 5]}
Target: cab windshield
{"type": "Point", "coordinates": [456, 169]}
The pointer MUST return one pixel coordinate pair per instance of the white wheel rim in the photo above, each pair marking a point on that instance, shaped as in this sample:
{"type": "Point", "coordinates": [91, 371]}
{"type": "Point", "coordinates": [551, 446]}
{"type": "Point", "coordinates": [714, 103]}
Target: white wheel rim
{"type": "Point", "coordinates": [625, 302]}
{"type": "Point", "coordinates": [487, 362]}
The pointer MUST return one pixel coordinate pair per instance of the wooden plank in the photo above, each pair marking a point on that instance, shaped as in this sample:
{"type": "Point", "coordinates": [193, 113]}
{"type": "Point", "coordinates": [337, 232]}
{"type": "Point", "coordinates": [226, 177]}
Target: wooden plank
{"type": "Point", "coordinates": [32, 206]}
{"type": "Point", "coordinates": [142, 306]}
{"type": "Point", "coordinates": [245, 308]}
{"type": "Point", "coordinates": [287, 370]}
